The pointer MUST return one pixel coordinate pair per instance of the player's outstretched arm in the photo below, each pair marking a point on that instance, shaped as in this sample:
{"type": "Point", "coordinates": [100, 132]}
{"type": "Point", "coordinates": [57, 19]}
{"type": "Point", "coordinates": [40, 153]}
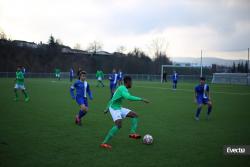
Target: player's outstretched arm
{"type": "Point", "coordinates": [89, 93]}
{"type": "Point", "coordinates": [127, 96]}
{"type": "Point", "coordinates": [195, 96]}
{"type": "Point", "coordinates": [209, 96]}
{"type": "Point", "coordinates": [145, 101]}
{"type": "Point", "coordinates": [72, 89]}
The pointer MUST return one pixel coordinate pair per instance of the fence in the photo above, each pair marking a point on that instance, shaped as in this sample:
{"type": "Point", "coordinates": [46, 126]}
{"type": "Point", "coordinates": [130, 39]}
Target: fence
{"type": "Point", "coordinates": [139, 77]}
{"type": "Point", "coordinates": [231, 78]}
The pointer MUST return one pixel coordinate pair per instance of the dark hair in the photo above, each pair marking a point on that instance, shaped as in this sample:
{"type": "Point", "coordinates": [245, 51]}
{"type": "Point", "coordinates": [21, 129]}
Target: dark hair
{"type": "Point", "coordinates": [202, 78]}
{"type": "Point", "coordinates": [82, 72]}
{"type": "Point", "coordinates": [126, 79]}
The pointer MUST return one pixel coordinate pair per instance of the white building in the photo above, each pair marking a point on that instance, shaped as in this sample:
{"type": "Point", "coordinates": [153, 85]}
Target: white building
{"type": "Point", "coordinates": [25, 44]}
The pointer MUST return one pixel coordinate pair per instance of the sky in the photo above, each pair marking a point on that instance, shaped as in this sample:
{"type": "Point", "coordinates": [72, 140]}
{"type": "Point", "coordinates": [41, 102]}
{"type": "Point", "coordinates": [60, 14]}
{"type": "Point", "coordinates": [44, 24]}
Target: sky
{"type": "Point", "coordinates": [221, 28]}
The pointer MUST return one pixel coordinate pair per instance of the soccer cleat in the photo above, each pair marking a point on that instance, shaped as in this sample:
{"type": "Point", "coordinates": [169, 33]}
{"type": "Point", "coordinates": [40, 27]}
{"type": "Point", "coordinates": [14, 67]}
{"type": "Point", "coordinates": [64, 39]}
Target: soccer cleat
{"type": "Point", "coordinates": [77, 120]}
{"type": "Point", "coordinates": [197, 118]}
{"type": "Point", "coordinates": [135, 136]}
{"type": "Point", "coordinates": [107, 146]}
{"type": "Point", "coordinates": [27, 99]}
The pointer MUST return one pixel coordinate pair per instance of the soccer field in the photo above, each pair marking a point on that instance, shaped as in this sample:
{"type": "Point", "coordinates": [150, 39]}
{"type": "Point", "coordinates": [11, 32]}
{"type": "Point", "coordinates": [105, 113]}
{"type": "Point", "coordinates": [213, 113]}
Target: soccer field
{"type": "Point", "coordinates": [42, 132]}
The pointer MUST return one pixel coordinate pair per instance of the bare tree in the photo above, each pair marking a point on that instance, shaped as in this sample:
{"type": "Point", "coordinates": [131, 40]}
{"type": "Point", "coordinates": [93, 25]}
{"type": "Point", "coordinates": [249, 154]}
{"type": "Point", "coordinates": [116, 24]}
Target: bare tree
{"type": "Point", "coordinates": [59, 41]}
{"type": "Point", "coordinates": [95, 46]}
{"type": "Point", "coordinates": [121, 49]}
{"type": "Point", "coordinates": [77, 46]}
{"type": "Point", "coordinates": [2, 34]}
{"type": "Point", "coordinates": [158, 46]}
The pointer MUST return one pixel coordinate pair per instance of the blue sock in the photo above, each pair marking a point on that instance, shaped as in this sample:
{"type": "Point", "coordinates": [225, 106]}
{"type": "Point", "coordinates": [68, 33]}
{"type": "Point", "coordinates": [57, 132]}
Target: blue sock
{"type": "Point", "coordinates": [81, 113]}
{"type": "Point", "coordinates": [198, 112]}
{"type": "Point", "coordinates": [209, 109]}
{"type": "Point", "coordinates": [111, 94]}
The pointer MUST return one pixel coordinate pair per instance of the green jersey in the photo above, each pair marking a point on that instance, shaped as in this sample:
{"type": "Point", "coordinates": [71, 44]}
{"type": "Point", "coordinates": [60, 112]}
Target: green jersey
{"type": "Point", "coordinates": [19, 78]}
{"type": "Point", "coordinates": [57, 71]}
{"type": "Point", "coordinates": [120, 94]}
{"type": "Point", "coordinates": [99, 74]}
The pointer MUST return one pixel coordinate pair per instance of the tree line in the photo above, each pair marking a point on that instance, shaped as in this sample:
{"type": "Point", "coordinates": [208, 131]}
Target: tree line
{"type": "Point", "coordinates": [241, 67]}
{"type": "Point", "coordinates": [46, 57]}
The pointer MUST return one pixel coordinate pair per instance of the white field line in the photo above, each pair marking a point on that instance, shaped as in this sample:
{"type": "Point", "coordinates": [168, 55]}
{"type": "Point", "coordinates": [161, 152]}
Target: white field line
{"type": "Point", "coordinates": [161, 88]}
{"type": "Point", "coordinates": [189, 90]}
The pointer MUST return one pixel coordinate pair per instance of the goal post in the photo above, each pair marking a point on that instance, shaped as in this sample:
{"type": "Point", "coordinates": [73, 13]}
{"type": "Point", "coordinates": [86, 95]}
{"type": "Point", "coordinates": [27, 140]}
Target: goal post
{"type": "Point", "coordinates": [162, 70]}
{"type": "Point", "coordinates": [184, 69]}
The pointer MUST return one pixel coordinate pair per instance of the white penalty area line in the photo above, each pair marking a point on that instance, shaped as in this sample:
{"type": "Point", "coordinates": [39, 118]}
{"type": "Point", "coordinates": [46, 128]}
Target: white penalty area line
{"type": "Point", "coordinates": [188, 90]}
{"type": "Point", "coordinates": [161, 88]}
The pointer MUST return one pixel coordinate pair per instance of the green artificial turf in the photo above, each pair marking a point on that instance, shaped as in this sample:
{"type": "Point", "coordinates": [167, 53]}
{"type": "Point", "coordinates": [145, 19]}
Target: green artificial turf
{"type": "Point", "coordinates": [42, 133]}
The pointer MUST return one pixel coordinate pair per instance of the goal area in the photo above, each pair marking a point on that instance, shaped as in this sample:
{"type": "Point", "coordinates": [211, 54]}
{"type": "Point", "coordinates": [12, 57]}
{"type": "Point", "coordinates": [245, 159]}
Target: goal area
{"type": "Point", "coordinates": [231, 78]}
{"type": "Point", "coordinates": [185, 71]}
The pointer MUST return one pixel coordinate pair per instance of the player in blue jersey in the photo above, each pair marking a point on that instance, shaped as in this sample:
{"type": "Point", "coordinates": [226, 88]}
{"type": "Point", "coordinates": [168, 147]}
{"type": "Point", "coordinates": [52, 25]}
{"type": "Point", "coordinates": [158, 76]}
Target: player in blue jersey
{"type": "Point", "coordinates": [82, 89]}
{"type": "Point", "coordinates": [175, 80]}
{"type": "Point", "coordinates": [202, 96]}
{"type": "Point", "coordinates": [120, 77]}
{"type": "Point", "coordinates": [71, 74]}
{"type": "Point", "coordinates": [113, 78]}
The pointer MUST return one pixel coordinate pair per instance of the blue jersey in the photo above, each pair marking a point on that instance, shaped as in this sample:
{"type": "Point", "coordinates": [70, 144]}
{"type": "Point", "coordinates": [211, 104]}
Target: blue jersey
{"type": "Point", "coordinates": [113, 78]}
{"type": "Point", "coordinates": [202, 91]}
{"type": "Point", "coordinates": [82, 89]}
{"type": "Point", "coordinates": [71, 72]}
{"type": "Point", "coordinates": [120, 76]}
{"type": "Point", "coordinates": [175, 77]}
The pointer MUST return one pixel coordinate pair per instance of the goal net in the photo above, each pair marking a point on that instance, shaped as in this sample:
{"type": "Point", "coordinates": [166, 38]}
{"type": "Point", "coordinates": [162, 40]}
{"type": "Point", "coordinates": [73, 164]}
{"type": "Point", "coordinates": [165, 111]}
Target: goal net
{"type": "Point", "coordinates": [231, 78]}
{"type": "Point", "coordinates": [186, 72]}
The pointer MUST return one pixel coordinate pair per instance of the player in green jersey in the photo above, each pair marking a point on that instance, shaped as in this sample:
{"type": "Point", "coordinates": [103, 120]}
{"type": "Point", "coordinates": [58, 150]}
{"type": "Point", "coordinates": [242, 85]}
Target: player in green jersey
{"type": "Point", "coordinates": [58, 73]}
{"type": "Point", "coordinates": [99, 75]}
{"type": "Point", "coordinates": [20, 84]}
{"type": "Point", "coordinates": [118, 112]}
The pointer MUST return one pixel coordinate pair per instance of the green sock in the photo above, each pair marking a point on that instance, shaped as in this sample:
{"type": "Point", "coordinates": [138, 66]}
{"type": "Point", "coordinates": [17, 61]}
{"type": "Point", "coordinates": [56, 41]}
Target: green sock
{"type": "Point", "coordinates": [134, 122]}
{"type": "Point", "coordinates": [16, 94]}
{"type": "Point", "coordinates": [25, 95]}
{"type": "Point", "coordinates": [111, 133]}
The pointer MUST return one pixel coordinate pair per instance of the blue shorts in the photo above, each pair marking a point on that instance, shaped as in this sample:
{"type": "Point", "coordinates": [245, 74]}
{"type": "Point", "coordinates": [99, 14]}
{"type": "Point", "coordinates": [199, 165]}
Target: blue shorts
{"type": "Point", "coordinates": [202, 100]}
{"type": "Point", "coordinates": [175, 81]}
{"type": "Point", "coordinates": [82, 100]}
{"type": "Point", "coordinates": [112, 86]}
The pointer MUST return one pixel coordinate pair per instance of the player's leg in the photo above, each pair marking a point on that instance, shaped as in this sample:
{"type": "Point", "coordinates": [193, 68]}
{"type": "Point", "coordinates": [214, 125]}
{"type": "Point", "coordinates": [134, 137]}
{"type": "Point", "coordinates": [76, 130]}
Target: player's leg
{"type": "Point", "coordinates": [83, 109]}
{"type": "Point", "coordinates": [25, 95]}
{"type": "Point", "coordinates": [209, 108]}
{"type": "Point", "coordinates": [134, 123]}
{"type": "Point", "coordinates": [113, 130]}
{"type": "Point", "coordinates": [101, 83]}
{"type": "Point", "coordinates": [117, 118]}
{"type": "Point", "coordinates": [98, 82]}
{"type": "Point", "coordinates": [112, 90]}
{"type": "Point", "coordinates": [198, 111]}
{"type": "Point", "coordinates": [15, 91]}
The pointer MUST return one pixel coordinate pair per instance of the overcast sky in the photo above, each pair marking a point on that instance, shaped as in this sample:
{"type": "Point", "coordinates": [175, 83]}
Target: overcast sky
{"type": "Point", "coordinates": [220, 27]}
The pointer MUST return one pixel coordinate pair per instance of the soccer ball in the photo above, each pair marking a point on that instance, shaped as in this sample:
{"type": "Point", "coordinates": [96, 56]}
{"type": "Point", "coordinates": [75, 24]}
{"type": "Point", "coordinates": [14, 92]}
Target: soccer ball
{"type": "Point", "coordinates": [147, 139]}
